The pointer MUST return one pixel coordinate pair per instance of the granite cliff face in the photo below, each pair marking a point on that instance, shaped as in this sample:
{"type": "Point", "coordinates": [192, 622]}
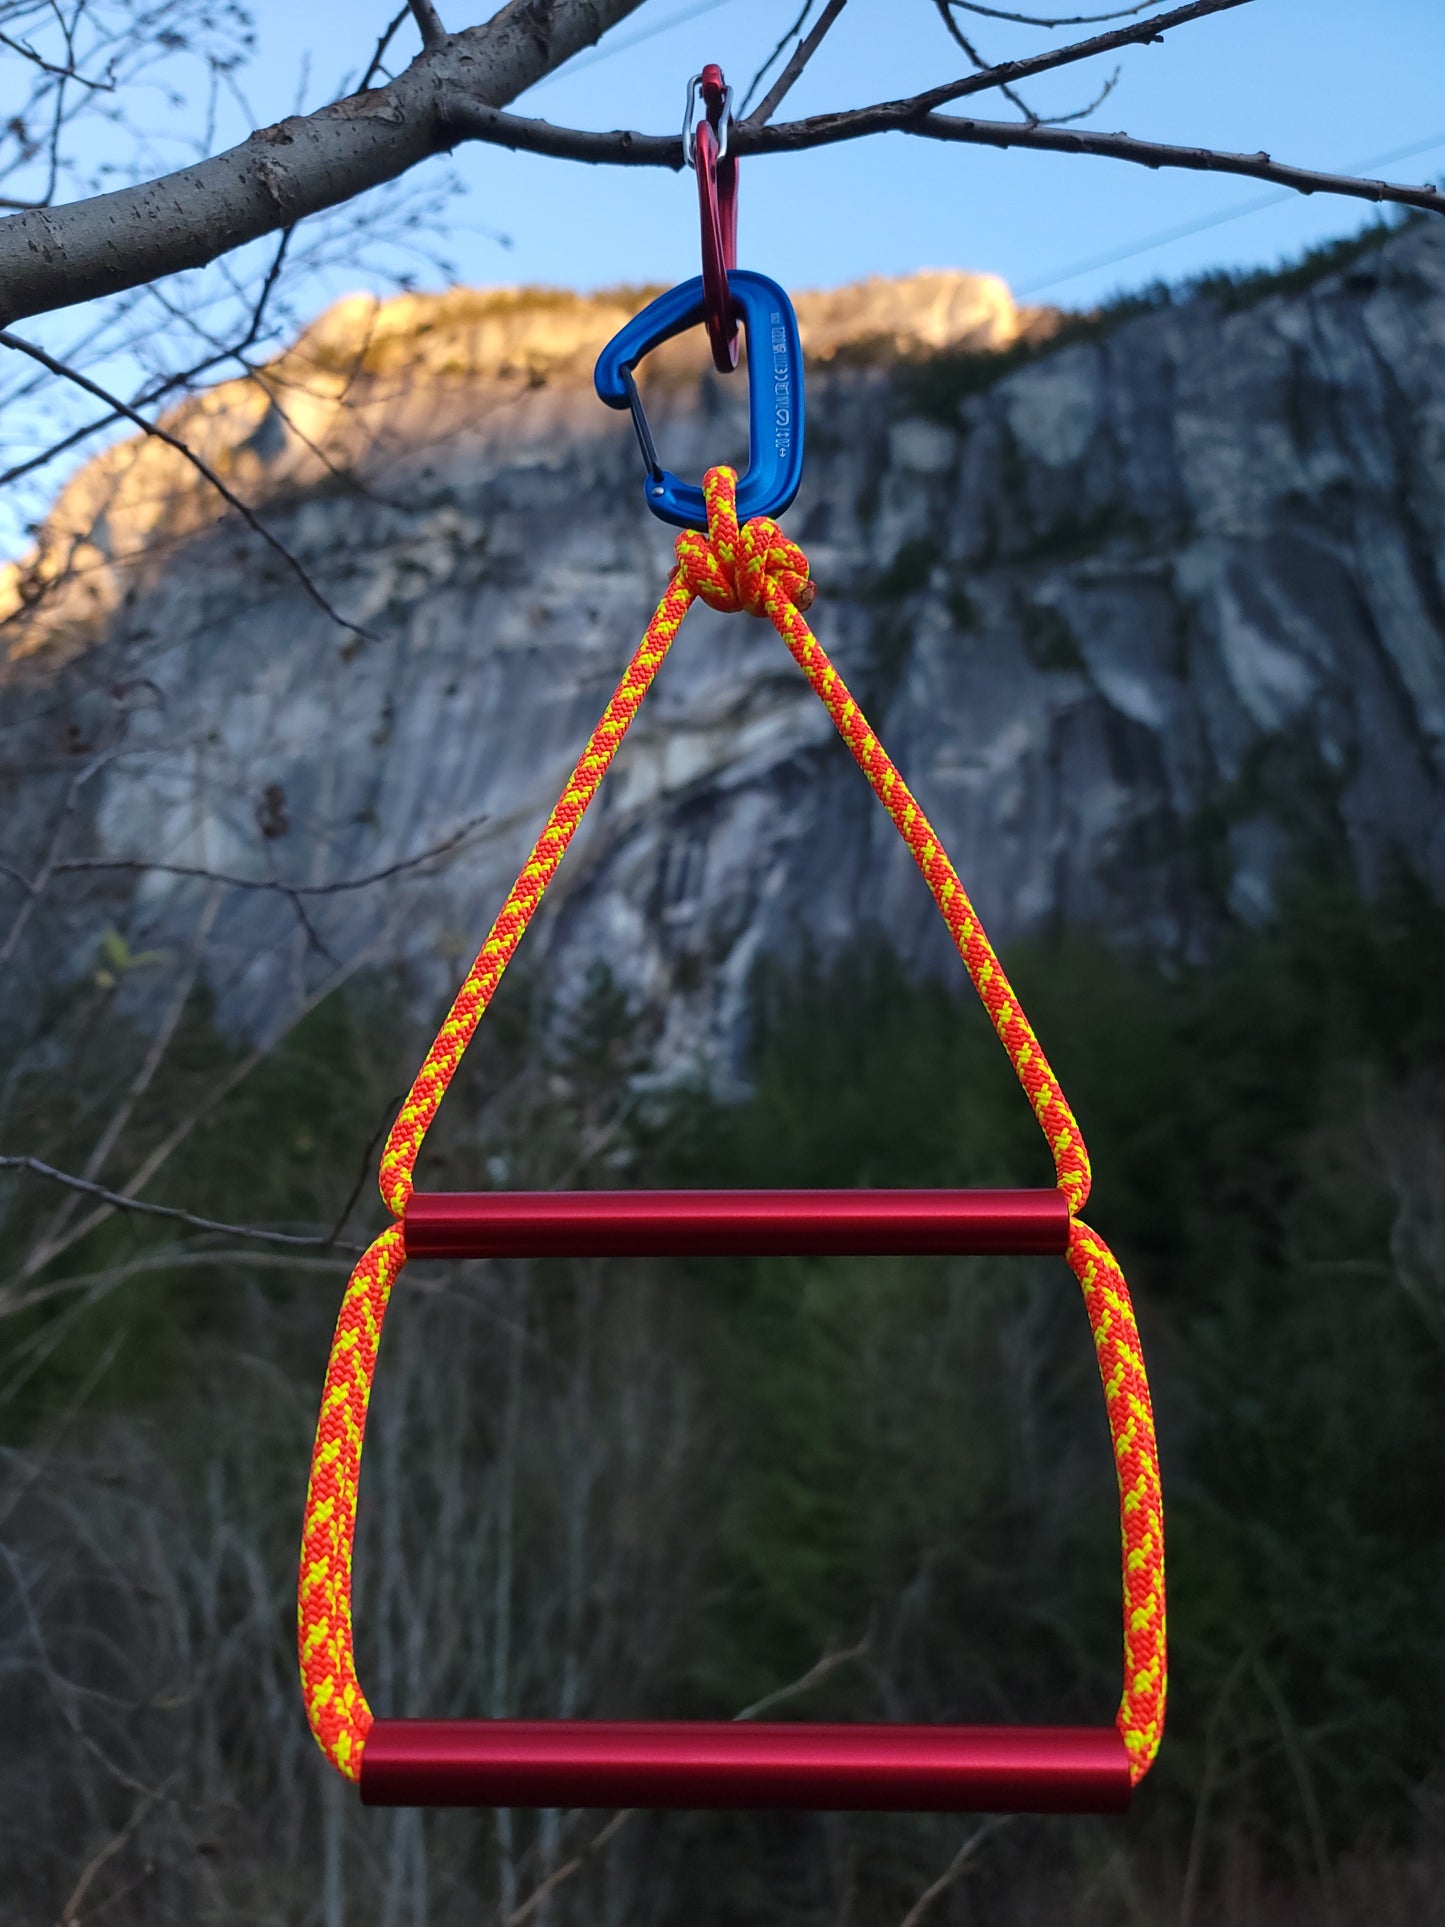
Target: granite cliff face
{"type": "Point", "coordinates": [1142, 611]}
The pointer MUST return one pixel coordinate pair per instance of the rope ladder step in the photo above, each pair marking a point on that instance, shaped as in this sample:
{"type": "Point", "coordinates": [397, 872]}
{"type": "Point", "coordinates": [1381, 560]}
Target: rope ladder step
{"type": "Point", "coordinates": [717, 1764]}
{"type": "Point", "coordinates": [730, 1764]}
{"type": "Point", "coordinates": [734, 1224]}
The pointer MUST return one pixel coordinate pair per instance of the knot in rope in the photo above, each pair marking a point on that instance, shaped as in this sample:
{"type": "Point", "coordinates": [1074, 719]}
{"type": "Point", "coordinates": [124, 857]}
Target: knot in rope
{"type": "Point", "coordinates": [754, 567]}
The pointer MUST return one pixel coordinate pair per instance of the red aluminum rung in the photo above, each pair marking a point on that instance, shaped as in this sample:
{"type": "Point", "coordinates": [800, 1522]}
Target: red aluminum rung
{"type": "Point", "coordinates": [722, 1763]}
{"type": "Point", "coordinates": [702, 1224]}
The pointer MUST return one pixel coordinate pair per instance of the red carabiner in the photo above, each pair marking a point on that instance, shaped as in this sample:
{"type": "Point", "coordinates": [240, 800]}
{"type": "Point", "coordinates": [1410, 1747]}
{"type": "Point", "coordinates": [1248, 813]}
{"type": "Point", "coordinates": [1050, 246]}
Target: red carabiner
{"type": "Point", "coordinates": [705, 142]}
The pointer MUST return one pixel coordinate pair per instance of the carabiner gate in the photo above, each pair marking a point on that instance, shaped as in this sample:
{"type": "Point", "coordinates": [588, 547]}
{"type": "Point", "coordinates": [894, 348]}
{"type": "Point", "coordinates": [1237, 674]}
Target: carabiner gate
{"type": "Point", "coordinates": [708, 95]}
{"type": "Point", "coordinates": [775, 395]}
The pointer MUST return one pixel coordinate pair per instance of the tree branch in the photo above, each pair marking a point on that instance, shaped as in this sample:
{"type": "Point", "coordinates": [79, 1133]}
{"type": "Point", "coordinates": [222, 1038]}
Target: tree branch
{"type": "Point", "coordinates": [955, 1868]}
{"type": "Point", "coordinates": [960, 39]}
{"type": "Point", "coordinates": [320, 1241]}
{"type": "Point", "coordinates": [789, 34]}
{"type": "Point", "coordinates": [819, 1671]}
{"type": "Point", "coordinates": [201, 466]}
{"type": "Point", "coordinates": [60, 73]}
{"type": "Point", "coordinates": [1060, 20]}
{"type": "Point", "coordinates": [214, 1097]}
{"type": "Point", "coordinates": [823, 130]}
{"type": "Point", "coordinates": [383, 41]}
{"type": "Point", "coordinates": [888, 116]}
{"type": "Point", "coordinates": [52, 257]}
{"type": "Point", "coordinates": [158, 390]}
{"type": "Point", "coordinates": [142, 866]}
{"type": "Point", "coordinates": [453, 92]}
{"type": "Point", "coordinates": [429, 22]}
{"type": "Point", "coordinates": [801, 55]}
{"type": "Point", "coordinates": [1155, 154]}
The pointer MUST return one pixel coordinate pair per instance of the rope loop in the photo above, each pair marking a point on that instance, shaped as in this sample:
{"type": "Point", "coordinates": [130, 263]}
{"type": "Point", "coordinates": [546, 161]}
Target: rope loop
{"type": "Point", "coordinates": [754, 567]}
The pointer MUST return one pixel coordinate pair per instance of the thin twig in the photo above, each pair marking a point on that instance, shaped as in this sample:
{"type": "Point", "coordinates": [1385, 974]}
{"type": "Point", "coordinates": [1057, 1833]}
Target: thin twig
{"type": "Point", "coordinates": [545, 1888]}
{"type": "Point", "coordinates": [70, 1913]}
{"type": "Point", "coordinates": [312, 1241]}
{"type": "Point", "coordinates": [829, 1663]}
{"type": "Point", "coordinates": [169, 383]}
{"type": "Point", "coordinates": [60, 73]}
{"type": "Point", "coordinates": [201, 466]}
{"type": "Point", "coordinates": [99, 1284]}
{"type": "Point", "coordinates": [216, 1094]}
{"type": "Point", "coordinates": [429, 21]}
{"type": "Point", "coordinates": [952, 1872]}
{"type": "Point", "coordinates": [802, 54]}
{"type": "Point", "coordinates": [1092, 107]}
{"type": "Point", "coordinates": [846, 124]}
{"type": "Point", "coordinates": [144, 866]}
{"type": "Point", "coordinates": [1063, 20]}
{"type": "Point", "coordinates": [644, 150]}
{"type": "Point", "coordinates": [150, 1064]}
{"type": "Point", "coordinates": [789, 34]}
{"type": "Point", "coordinates": [851, 123]}
{"type": "Point", "coordinates": [388, 32]}
{"type": "Point", "coordinates": [392, 1106]}
{"type": "Point", "coordinates": [820, 1670]}
{"type": "Point", "coordinates": [960, 39]}
{"type": "Point", "coordinates": [47, 867]}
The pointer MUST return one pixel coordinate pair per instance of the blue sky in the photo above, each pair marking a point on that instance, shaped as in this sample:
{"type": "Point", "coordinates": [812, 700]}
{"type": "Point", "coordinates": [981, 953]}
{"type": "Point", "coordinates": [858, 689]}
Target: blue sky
{"type": "Point", "coordinates": [1322, 82]}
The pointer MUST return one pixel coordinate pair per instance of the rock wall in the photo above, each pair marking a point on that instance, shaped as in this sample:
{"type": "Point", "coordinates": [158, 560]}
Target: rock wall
{"type": "Point", "coordinates": [1143, 612]}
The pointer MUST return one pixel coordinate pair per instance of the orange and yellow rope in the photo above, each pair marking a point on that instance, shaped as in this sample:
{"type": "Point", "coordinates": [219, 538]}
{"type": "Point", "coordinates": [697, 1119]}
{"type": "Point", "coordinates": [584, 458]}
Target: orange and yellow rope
{"type": "Point", "coordinates": [753, 567]}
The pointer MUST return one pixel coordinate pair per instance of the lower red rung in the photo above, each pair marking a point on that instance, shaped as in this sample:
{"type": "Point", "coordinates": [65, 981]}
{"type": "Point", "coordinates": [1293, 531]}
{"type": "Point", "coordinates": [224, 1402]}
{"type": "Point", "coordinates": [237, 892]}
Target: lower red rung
{"type": "Point", "coordinates": [714, 1764]}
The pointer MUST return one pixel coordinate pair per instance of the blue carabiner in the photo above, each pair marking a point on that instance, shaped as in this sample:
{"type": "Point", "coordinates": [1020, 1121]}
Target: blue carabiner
{"type": "Point", "coordinates": [775, 395]}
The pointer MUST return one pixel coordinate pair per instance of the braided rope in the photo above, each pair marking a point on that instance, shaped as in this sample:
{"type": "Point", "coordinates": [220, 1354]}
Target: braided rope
{"type": "Point", "coordinates": [753, 567]}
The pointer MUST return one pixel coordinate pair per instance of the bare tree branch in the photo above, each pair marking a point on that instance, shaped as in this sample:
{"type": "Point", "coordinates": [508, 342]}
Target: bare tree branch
{"type": "Point", "coordinates": [905, 117]}
{"type": "Point", "coordinates": [201, 466]}
{"type": "Point", "coordinates": [1156, 154]}
{"type": "Point", "coordinates": [789, 33]}
{"type": "Point", "coordinates": [37, 884]}
{"type": "Point", "coordinates": [50, 258]}
{"type": "Point", "coordinates": [802, 54]}
{"type": "Point", "coordinates": [960, 39]}
{"type": "Point", "coordinates": [180, 1256]}
{"type": "Point", "coordinates": [320, 1241]}
{"type": "Point", "coordinates": [214, 1097]}
{"type": "Point", "coordinates": [48, 67]}
{"type": "Point", "coordinates": [453, 91]}
{"type": "Point", "coordinates": [955, 1868]}
{"type": "Point", "coordinates": [822, 1668]}
{"type": "Point", "coordinates": [143, 866]}
{"type": "Point", "coordinates": [889, 116]}
{"type": "Point", "coordinates": [1089, 108]}
{"type": "Point", "coordinates": [429, 21]}
{"type": "Point", "coordinates": [819, 1671]}
{"type": "Point", "coordinates": [384, 40]}
{"type": "Point", "coordinates": [70, 1914]}
{"type": "Point", "coordinates": [151, 1061]}
{"type": "Point", "coordinates": [87, 1187]}
{"type": "Point", "coordinates": [1061, 20]}
{"type": "Point", "coordinates": [158, 390]}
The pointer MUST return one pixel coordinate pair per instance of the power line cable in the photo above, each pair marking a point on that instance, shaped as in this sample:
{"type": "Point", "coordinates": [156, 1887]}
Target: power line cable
{"type": "Point", "coordinates": [1235, 213]}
